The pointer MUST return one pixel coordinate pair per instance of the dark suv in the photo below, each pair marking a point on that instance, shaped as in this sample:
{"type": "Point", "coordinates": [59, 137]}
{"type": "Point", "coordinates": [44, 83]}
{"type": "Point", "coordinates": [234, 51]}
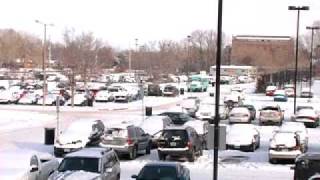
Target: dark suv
{"type": "Point", "coordinates": [179, 141]}
{"type": "Point", "coordinates": [127, 139]}
{"type": "Point", "coordinates": [161, 170]}
{"type": "Point", "coordinates": [101, 164]}
{"type": "Point", "coordinates": [306, 166]}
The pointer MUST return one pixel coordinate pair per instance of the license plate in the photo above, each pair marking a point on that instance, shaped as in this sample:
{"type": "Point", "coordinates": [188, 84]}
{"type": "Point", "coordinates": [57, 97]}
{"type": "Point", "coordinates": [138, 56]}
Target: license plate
{"type": "Point", "coordinates": [173, 144]}
{"type": "Point", "coordinates": [66, 150]}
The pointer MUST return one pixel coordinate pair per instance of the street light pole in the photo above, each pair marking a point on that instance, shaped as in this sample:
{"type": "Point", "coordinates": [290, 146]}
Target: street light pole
{"type": "Point", "coordinates": [312, 28]}
{"type": "Point", "coordinates": [217, 94]}
{"type": "Point", "coordinates": [189, 58]}
{"type": "Point", "coordinates": [44, 46]}
{"type": "Point", "coordinates": [297, 8]}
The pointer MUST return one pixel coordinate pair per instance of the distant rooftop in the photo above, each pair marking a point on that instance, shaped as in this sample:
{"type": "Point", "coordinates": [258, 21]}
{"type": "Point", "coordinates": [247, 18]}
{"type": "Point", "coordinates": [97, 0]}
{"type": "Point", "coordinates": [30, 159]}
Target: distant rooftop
{"type": "Point", "coordinates": [254, 37]}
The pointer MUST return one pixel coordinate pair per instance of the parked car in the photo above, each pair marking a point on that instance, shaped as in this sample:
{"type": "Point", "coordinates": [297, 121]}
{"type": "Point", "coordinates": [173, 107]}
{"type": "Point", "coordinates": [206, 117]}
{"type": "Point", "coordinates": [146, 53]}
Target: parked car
{"type": "Point", "coordinates": [122, 96]}
{"type": "Point", "coordinates": [154, 125]}
{"type": "Point", "coordinates": [8, 96]}
{"type": "Point", "coordinates": [28, 98]}
{"type": "Point", "coordinates": [300, 129]}
{"type": "Point", "coordinates": [78, 135]}
{"type": "Point", "coordinates": [202, 129]}
{"type": "Point", "coordinates": [170, 90]}
{"type": "Point", "coordinates": [289, 92]}
{"type": "Point", "coordinates": [191, 105]}
{"type": "Point", "coordinates": [270, 90]}
{"type": "Point", "coordinates": [280, 95]}
{"type": "Point", "coordinates": [307, 167]}
{"type": "Point", "coordinates": [89, 164]}
{"type": "Point", "coordinates": [207, 110]}
{"type": "Point", "coordinates": [177, 118]}
{"type": "Point", "coordinates": [180, 141]}
{"type": "Point", "coordinates": [50, 99]}
{"type": "Point", "coordinates": [284, 145]}
{"type": "Point", "coordinates": [271, 114]}
{"type": "Point", "coordinates": [126, 139]}
{"type": "Point", "coordinates": [163, 170]}
{"type": "Point", "coordinates": [239, 115]}
{"type": "Point", "coordinates": [104, 96]}
{"type": "Point", "coordinates": [154, 90]}
{"type": "Point", "coordinates": [307, 116]}
{"type": "Point", "coordinates": [306, 93]}
{"type": "Point", "coordinates": [26, 164]}
{"type": "Point", "coordinates": [245, 137]}
{"type": "Point", "coordinates": [80, 99]}
{"type": "Point", "coordinates": [251, 109]}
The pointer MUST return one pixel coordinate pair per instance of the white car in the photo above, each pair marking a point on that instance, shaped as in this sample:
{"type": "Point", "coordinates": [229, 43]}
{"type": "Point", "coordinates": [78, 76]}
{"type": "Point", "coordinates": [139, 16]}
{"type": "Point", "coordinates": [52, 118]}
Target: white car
{"type": "Point", "coordinates": [206, 110]}
{"type": "Point", "coordinates": [8, 96]}
{"type": "Point", "coordinates": [80, 99]}
{"type": "Point", "coordinates": [307, 116]}
{"type": "Point", "coordinates": [284, 145]}
{"type": "Point", "coordinates": [122, 96]}
{"type": "Point", "coordinates": [78, 135]}
{"type": "Point", "coordinates": [306, 93]}
{"type": "Point", "coordinates": [245, 137]}
{"type": "Point", "coordinates": [26, 164]}
{"type": "Point", "coordinates": [289, 92]}
{"type": "Point", "coordinates": [50, 99]}
{"type": "Point", "coordinates": [300, 129]}
{"type": "Point", "coordinates": [104, 96]}
{"type": "Point", "coordinates": [29, 98]}
{"type": "Point", "coordinates": [239, 115]}
{"type": "Point", "coordinates": [191, 105]}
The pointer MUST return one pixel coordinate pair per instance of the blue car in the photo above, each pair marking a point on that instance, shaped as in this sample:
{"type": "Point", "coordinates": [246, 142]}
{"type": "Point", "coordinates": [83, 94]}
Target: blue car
{"type": "Point", "coordinates": [280, 95]}
{"type": "Point", "coordinates": [163, 170]}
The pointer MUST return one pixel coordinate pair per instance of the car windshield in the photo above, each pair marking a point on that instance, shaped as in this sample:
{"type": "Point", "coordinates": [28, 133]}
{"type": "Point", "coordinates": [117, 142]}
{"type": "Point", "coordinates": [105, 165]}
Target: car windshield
{"type": "Point", "coordinates": [79, 163]}
{"type": "Point", "coordinates": [270, 108]}
{"type": "Point", "coordinates": [158, 173]}
{"type": "Point", "coordinates": [175, 134]}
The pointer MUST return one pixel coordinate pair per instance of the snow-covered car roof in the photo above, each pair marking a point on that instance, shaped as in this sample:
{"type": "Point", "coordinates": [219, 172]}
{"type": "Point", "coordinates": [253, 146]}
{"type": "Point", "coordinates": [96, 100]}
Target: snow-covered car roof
{"type": "Point", "coordinates": [306, 112]}
{"type": "Point", "coordinates": [284, 137]}
{"type": "Point", "coordinates": [271, 88]}
{"type": "Point", "coordinates": [280, 92]}
{"type": "Point", "coordinates": [89, 152]}
{"type": "Point", "coordinates": [240, 110]}
{"type": "Point", "coordinates": [306, 90]}
{"type": "Point", "coordinates": [200, 126]}
{"type": "Point", "coordinates": [241, 127]}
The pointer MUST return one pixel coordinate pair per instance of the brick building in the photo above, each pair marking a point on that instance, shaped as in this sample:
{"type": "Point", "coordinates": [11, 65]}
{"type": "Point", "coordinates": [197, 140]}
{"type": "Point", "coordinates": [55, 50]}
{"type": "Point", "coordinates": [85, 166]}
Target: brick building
{"type": "Point", "coordinates": [268, 53]}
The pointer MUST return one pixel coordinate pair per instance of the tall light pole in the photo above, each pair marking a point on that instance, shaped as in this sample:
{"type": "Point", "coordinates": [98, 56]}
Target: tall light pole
{"type": "Point", "coordinates": [297, 8]}
{"type": "Point", "coordinates": [312, 28]}
{"type": "Point", "coordinates": [136, 40]}
{"type": "Point", "coordinates": [44, 49]}
{"type": "Point", "coordinates": [217, 94]}
{"type": "Point", "coordinates": [189, 58]}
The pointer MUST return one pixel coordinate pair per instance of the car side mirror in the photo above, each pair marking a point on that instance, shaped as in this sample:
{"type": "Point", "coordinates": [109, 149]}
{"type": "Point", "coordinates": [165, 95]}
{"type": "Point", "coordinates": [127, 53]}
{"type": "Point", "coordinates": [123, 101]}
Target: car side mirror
{"type": "Point", "coordinates": [34, 168]}
{"type": "Point", "coordinates": [134, 176]}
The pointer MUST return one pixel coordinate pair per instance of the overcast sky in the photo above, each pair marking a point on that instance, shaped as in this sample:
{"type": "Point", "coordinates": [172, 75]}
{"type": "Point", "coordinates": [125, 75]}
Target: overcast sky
{"type": "Point", "coordinates": [119, 22]}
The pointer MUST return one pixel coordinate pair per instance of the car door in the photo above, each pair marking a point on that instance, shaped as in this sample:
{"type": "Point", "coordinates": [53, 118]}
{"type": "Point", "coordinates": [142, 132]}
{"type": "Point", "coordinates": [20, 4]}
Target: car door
{"type": "Point", "coordinates": [141, 138]}
{"type": "Point", "coordinates": [108, 171]}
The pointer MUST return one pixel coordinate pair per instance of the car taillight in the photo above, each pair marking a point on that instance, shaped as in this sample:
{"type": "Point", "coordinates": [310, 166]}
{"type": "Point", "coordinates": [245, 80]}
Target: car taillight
{"type": "Point", "coordinates": [129, 141]}
{"type": "Point", "coordinates": [189, 145]}
{"type": "Point", "coordinates": [312, 118]}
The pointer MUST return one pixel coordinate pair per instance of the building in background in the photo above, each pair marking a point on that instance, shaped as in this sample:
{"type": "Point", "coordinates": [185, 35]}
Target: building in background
{"type": "Point", "coordinates": [235, 71]}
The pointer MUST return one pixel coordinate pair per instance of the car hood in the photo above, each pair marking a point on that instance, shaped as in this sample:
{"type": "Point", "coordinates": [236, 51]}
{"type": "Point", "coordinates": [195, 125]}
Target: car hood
{"type": "Point", "coordinates": [72, 138]}
{"type": "Point", "coordinates": [74, 175]}
{"type": "Point", "coordinates": [239, 139]}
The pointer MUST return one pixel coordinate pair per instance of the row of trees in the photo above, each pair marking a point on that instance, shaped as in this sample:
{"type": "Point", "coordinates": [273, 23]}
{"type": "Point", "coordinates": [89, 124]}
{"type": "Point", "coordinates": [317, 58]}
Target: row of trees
{"type": "Point", "coordinates": [85, 53]}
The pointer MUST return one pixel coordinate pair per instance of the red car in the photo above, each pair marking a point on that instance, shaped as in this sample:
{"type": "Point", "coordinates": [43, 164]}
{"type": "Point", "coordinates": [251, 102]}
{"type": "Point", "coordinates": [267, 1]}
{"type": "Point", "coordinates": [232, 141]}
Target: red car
{"type": "Point", "coordinates": [270, 90]}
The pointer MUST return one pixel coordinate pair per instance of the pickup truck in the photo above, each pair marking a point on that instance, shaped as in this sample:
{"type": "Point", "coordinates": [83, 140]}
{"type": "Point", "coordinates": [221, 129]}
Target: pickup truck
{"type": "Point", "coordinates": [29, 165]}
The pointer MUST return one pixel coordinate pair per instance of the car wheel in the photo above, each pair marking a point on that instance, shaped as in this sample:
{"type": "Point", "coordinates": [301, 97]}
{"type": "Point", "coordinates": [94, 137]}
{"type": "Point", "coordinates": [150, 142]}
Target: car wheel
{"type": "Point", "coordinates": [261, 123]}
{"type": "Point", "coordinates": [162, 157]}
{"type": "Point", "coordinates": [118, 177]}
{"type": "Point", "coordinates": [273, 161]}
{"type": "Point", "coordinates": [253, 147]}
{"type": "Point", "coordinates": [201, 151]}
{"type": "Point", "coordinates": [191, 156]}
{"type": "Point", "coordinates": [133, 153]}
{"type": "Point", "coordinates": [148, 148]}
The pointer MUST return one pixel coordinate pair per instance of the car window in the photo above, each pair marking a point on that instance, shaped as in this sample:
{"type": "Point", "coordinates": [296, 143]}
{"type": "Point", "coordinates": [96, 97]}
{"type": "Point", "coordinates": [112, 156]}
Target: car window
{"type": "Point", "coordinates": [158, 172]}
{"type": "Point", "coordinates": [34, 161]}
{"type": "Point", "coordinates": [270, 108]}
{"type": "Point", "coordinates": [116, 132]}
{"type": "Point", "coordinates": [80, 163]}
{"type": "Point", "coordinates": [175, 134]}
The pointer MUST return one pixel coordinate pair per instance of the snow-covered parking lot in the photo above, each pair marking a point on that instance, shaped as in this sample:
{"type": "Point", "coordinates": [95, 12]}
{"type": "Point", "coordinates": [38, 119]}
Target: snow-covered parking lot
{"type": "Point", "coordinates": [22, 128]}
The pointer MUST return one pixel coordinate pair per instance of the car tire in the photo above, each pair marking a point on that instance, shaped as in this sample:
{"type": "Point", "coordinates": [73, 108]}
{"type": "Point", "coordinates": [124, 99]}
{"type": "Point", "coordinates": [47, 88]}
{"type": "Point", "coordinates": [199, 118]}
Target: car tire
{"type": "Point", "coordinates": [273, 161]}
{"type": "Point", "coordinates": [252, 147]}
{"type": "Point", "coordinates": [162, 157]}
{"type": "Point", "coordinates": [133, 153]}
{"type": "Point", "coordinates": [191, 156]}
{"type": "Point", "coordinates": [148, 148]}
{"type": "Point", "coordinates": [261, 123]}
{"type": "Point", "coordinates": [201, 151]}
{"type": "Point", "coordinates": [118, 177]}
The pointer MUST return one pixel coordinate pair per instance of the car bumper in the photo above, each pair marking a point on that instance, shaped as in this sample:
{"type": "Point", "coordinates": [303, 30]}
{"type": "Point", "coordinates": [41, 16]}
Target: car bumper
{"type": "Point", "coordinates": [270, 120]}
{"type": "Point", "coordinates": [283, 154]}
{"type": "Point", "coordinates": [245, 147]}
{"type": "Point", "coordinates": [239, 120]}
{"type": "Point", "coordinates": [174, 151]}
{"type": "Point", "coordinates": [119, 149]}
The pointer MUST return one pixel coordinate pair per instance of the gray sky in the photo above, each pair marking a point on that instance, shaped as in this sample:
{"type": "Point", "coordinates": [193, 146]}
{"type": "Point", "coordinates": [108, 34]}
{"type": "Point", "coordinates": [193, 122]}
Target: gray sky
{"type": "Point", "coordinates": [119, 22]}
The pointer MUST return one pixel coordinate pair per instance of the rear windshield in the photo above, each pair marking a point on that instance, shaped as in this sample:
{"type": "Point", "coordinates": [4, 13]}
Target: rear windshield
{"type": "Point", "coordinates": [158, 173]}
{"type": "Point", "coordinates": [270, 108]}
{"type": "Point", "coordinates": [79, 163]}
{"type": "Point", "coordinates": [116, 132]}
{"type": "Point", "coordinates": [175, 134]}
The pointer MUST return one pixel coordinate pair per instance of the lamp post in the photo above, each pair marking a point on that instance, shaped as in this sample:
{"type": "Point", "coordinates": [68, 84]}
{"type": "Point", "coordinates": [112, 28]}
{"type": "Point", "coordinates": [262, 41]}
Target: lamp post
{"type": "Point", "coordinates": [312, 28]}
{"type": "Point", "coordinates": [44, 46]}
{"type": "Point", "coordinates": [297, 8]}
{"type": "Point", "coordinates": [189, 58]}
{"type": "Point", "coordinates": [217, 94]}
